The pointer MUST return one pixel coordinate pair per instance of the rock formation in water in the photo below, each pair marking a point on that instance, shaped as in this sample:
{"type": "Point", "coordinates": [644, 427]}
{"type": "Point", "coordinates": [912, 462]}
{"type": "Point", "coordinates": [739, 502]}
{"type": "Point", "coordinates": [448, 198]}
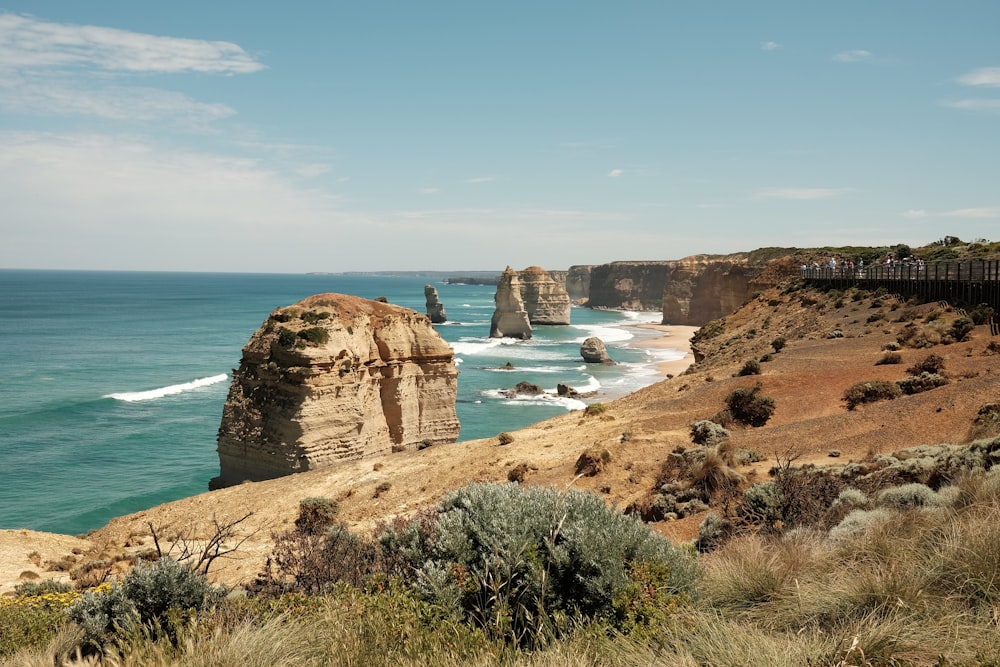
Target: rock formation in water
{"type": "Point", "coordinates": [545, 299]}
{"type": "Point", "coordinates": [435, 309]}
{"type": "Point", "coordinates": [578, 283]}
{"type": "Point", "coordinates": [628, 285]}
{"type": "Point", "coordinates": [593, 351]}
{"type": "Point", "coordinates": [333, 378]}
{"type": "Point", "coordinates": [702, 288]}
{"type": "Point", "coordinates": [510, 319]}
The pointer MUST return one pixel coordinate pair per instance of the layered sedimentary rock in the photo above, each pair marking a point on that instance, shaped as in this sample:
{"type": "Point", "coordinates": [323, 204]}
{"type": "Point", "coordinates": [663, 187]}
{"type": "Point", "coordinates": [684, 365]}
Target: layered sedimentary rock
{"type": "Point", "coordinates": [628, 285]}
{"type": "Point", "coordinates": [702, 288]}
{"type": "Point", "coordinates": [333, 378]}
{"type": "Point", "coordinates": [594, 351]}
{"type": "Point", "coordinates": [545, 299]}
{"type": "Point", "coordinates": [510, 319]}
{"type": "Point", "coordinates": [435, 309]}
{"type": "Point", "coordinates": [578, 283]}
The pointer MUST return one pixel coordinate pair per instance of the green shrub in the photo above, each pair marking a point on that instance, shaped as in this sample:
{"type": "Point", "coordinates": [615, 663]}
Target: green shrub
{"type": "Point", "coordinates": [764, 358]}
{"type": "Point", "coordinates": [153, 597]}
{"type": "Point", "coordinates": [595, 409]}
{"type": "Point", "coordinates": [982, 314]}
{"type": "Point", "coordinates": [520, 562]}
{"type": "Point", "coordinates": [315, 335]}
{"type": "Point", "coordinates": [932, 363]}
{"type": "Point", "coordinates": [707, 432]}
{"type": "Point", "coordinates": [890, 358]}
{"type": "Point", "coordinates": [748, 406]}
{"type": "Point", "coordinates": [779, 343]}
{"type": "Point", "coordinates": [312, 317]}
{"type": "Point", "coordinates": [914, 384]}
{"type": "Point", "coordinates": [25, 625]}
{"type": "Point", "coordinates": [286, 337]}
{"type": "Point", "coordinates": [762, 503]}
{"type": "Point", "coordinates": [750, 367]}
{"type": "Point", "coordinates": [909, 495]}
{"type": "Point", "coordinates": [870, 392]}
{"type": "Point", "coordinates": [712, 532]}
{"type": "Point", "coordinates": [961, 328]}
{"type": "Point", "coordinates": [316, 514]}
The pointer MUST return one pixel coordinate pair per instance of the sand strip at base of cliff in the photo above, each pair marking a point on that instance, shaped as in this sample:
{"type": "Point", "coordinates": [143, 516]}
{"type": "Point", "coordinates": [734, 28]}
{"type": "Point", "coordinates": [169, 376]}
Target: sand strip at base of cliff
{"type": "Point", "coordinates": [675, 337]}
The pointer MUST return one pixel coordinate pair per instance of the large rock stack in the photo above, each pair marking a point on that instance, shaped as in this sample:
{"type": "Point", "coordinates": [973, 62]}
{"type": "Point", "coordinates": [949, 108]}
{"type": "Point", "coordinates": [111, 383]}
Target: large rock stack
{"type": "Point", "coordinates": [510, 319]}
{"type": "Point", "coordinates": [545, 300]}
{"type": "Point", "coordinates": [435, 309]}
{"type": "Point", "coordinates": [333, 378]}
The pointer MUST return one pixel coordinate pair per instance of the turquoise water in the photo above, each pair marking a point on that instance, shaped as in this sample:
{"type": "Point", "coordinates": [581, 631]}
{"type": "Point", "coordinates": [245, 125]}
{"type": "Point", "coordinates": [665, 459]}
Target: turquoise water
{"type": "Point", "coordinates": [113, 382]}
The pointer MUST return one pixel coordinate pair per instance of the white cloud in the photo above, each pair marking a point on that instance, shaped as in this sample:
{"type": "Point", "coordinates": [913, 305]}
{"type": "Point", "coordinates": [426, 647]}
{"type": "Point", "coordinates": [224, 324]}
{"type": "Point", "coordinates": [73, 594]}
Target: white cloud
{"type": "Point", "coordinates": [481, 179]}
{"type": "Point", "coordinates": [915, 214]}
{"type": "Point", "coordinates": [973, 104]}
{"type": "Point", "coordinates": [615, 173]}
{"type": "Point", "coordinates": [801, 193]}
{"type": "Point", "coordinates": [428, 191]}
{"type": "Point", "coordinates": [28, 43]}
{"type": "Point", "coordinates": [984, 76]}
{"type": "Point", "coordinates": [853, 56]}
{"type": "Point", "coordinates": [769, 46]}
{"type": "Point", "coordinates": [984, 212]}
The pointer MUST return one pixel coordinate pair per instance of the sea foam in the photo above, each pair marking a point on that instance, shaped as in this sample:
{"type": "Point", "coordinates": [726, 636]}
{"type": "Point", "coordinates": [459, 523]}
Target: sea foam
{"type": "Point", "coordinates": [133, 396]}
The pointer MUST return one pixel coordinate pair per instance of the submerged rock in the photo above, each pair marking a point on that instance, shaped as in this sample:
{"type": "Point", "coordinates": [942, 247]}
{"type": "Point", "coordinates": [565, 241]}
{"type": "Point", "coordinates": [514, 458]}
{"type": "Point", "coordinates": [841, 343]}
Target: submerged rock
{"type": "Point", "coordinates": [335, 378]}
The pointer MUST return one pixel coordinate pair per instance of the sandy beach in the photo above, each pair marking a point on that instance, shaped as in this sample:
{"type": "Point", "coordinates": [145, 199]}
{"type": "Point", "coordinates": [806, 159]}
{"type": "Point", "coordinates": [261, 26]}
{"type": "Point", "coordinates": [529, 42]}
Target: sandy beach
{"type": "Point", "coordinates": [675, 337]}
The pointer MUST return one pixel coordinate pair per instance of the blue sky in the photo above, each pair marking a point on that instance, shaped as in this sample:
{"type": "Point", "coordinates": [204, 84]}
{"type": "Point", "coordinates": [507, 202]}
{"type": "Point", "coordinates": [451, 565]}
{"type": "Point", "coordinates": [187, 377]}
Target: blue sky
{"type": "Point", "coordinates": [333, 136]}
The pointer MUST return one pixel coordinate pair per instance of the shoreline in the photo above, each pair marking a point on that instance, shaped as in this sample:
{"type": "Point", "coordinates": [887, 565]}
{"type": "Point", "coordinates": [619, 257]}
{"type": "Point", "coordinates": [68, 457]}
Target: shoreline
{"type": "Point", "coordinates": [675, 337]}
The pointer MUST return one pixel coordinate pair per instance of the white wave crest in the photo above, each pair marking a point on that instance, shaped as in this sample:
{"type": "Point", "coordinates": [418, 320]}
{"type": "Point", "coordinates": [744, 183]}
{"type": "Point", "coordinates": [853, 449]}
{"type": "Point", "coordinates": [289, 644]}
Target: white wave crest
{"type": "Point", "coordinates": [605, 333]}
{"type": "Point", "coordinates": [133, 396]}
{"type": "Point", "coordinates": [643, 316]}
{"type": "Point", "coordinates": [539, 399]}
{"type": "Point", "coordinates": [480, 345]}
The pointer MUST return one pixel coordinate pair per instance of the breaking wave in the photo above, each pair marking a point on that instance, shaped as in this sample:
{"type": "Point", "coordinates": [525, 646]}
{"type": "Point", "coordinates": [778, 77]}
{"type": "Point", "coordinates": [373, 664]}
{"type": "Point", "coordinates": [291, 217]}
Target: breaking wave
{"type": "Point", "coordinates": [133, 396]}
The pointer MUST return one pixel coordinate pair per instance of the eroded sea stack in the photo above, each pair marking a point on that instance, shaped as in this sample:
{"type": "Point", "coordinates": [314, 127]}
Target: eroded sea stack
{"type": "Point", "coordinates": [510, 319]}
{"type": "Point", "coordinates": [435, 309]}
{"type": "Point", "coordinates": [545, 299]}
{"type": "Point", "coordinates": [333, 378]}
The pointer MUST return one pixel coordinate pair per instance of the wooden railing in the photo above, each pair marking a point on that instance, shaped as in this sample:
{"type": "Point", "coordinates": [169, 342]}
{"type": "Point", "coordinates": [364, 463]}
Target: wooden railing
{"type": "Point", "coordinates": [961, 283]}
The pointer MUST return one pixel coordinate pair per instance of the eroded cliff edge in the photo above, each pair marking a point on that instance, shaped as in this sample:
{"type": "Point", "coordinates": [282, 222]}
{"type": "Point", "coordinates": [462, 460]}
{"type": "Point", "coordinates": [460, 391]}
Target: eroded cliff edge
{"type": "Point", "coordinates": [333, 378]}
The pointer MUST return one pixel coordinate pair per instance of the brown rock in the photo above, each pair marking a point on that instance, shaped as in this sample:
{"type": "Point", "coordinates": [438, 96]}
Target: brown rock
{"type": "Point", "coordinates": [545, 299]}
{"type": "Point", "coordinates": [334, 378]}
{"type": "Point", "coordinates": [435, 309]}
{"type": "Point", "coordinates": [593, 351]}
{"type": "Point", "coordinates": [510, 319]}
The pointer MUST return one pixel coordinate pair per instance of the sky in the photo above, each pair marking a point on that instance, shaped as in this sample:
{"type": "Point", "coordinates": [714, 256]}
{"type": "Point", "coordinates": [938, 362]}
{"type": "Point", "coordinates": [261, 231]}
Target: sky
{"type": "Point", "coordinates": [332, 136]}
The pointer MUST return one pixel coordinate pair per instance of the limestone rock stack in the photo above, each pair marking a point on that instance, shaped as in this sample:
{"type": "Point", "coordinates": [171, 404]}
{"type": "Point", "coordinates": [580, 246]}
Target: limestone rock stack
{"type": "Point", "coordinates": [435, 309]}
{"type": "Point", "coordinates": [545, 299]}
{"type": "Point", "coordinates": [333, 378]}
{"type": "Point", "coordinates": [510, 319]}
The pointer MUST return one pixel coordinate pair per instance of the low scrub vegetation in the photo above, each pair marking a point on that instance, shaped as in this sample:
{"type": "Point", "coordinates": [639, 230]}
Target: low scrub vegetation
{"type": "Point", "coordinates": [747, 406]}
{"type": "Point", "coordinates": [870, 392]}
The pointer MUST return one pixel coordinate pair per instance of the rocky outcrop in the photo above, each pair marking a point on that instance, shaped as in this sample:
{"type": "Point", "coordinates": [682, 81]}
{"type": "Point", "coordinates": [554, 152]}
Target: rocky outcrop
{"type": "Point", "coordinates": [510, 319]}
{"type": "Point", "coordinates": [628, 285]}
{"type": "Point", "coordinates": [578, 283]}
{"type": "Point", "coordinates": [545, 300]}
{"type": "Point", "coordinates": [435, 309]}
{"type": "Point", "coordinates": [703, 288]}
{"type": "Point", "coordinates": [593, 351]}
{"type": "Point", "coordinates": [333, 378]}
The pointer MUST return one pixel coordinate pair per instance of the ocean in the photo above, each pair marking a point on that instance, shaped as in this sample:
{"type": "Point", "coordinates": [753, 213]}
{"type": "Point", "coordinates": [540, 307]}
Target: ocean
{"type": "Point", "coordinates": [113, 383]}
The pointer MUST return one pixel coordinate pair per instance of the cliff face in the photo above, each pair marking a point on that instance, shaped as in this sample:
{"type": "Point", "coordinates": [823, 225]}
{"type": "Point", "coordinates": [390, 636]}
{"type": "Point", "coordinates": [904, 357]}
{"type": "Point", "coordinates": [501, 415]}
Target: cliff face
{"type": "Point", "coordinates": [510, 319]}
{"type": "Point", "coordinates": [545, 300]}
{"type": "Point", "coordinates": [333, 378]}
{"type": "Point", "coordinates": [628, 285]}
{"type": "Point", "coordinates": [701, 288]}
{"type": "Point", "coordinates": [578, 282]}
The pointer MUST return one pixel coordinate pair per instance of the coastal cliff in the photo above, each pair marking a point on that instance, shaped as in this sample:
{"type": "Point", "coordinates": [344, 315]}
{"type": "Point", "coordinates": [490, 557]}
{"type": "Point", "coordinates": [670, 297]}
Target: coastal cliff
{"type": "Point", "coordinates": [628, 285]}
{"type": "Point", "coordinates": [545, 299]}
{"type": "Point", "coordinates": [334, 378]}
{"type": "Point", "coordinates": [510, 318]}
{"type": "Point", "coordinates": [578, 282]}
{"type": "Point", "coordinates": [702, 288]}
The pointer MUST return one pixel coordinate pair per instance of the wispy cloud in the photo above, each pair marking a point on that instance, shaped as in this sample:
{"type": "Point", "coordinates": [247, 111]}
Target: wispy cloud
{"type": "Point", "coordinates": [615, 173]}
{"type": "Point", "coordinates": [428, 191]}
{"type": "Point", "coordinates": [853, 56]}
{"type": "Point", "coordinates": [801, 194]}
{"type": "Point", "coordinates": [982, 212]}
{"type": "Point", "coordinates": [481, 179]}
{"type": "Point", "coordinates": [984, 76]}
{"type": "Point", "coordinates": [972, 104]}
{"type": "Point", "coordinates": [27, 42]}
{"type": "Point", "coordinates": [57, 69]}
{"type": "Point", "coordinates": [770, 46]}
